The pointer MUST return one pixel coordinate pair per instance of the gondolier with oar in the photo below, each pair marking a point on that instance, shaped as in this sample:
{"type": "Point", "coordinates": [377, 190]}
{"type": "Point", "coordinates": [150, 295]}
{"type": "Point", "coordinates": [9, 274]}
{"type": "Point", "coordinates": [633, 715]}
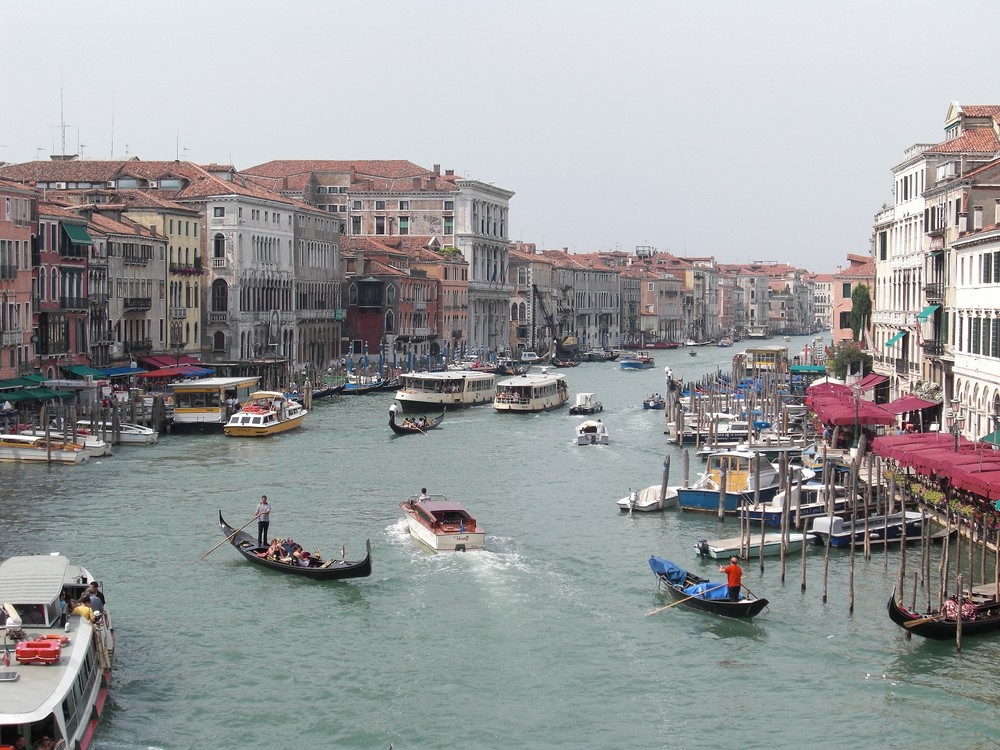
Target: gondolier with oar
{"type": "Point", "coordinates": [263, 516]}
{"type": "Point", "coordinates": [734, 578]}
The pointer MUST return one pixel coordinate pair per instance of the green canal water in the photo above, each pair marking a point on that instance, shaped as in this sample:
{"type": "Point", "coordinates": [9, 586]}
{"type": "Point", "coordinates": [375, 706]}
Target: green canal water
{"type": "Point", "coordinates": [540, 642]}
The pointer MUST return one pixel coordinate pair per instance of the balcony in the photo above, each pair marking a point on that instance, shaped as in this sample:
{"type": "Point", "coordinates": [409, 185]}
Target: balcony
{"type": "Point", "coordinates": [135, 259]}
{"type": "Point", "coordinates": [218, 262]}
{"type": "Point", "coordinates": [181, 269]}
{"type": "Point", "coordinates": [73, 303]}
{"type": "Point", "coordinates": [139, 346]}
{"type": "Point", "coordinates": [73, 252]}
{"type": "Point", "coordinates": [218, 318]}
{"type": "Point", "coordinates": [53, 348]}
{"type": "Point", "coordinates": [934, 293]}
{"type": "Point", "coordinates": [933, 348]}
{"type": "Point", "coordinates": [419, 305]}
{"type": "Point", "coordinates": [135, 304]}
{"type": "Point", "coordinates": [96, 300]}
{"type": "Point", "coordinates": [178, 313]}
{"type": "Point", "coordinates": [935, 232]}
{"type": "Point", "coordinates": [12, 338]}
{"type": "Point", "coordinates": [456, 333]}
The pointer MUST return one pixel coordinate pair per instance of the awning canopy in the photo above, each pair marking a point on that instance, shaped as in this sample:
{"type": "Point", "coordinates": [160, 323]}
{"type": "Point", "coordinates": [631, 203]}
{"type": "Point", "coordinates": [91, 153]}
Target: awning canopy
{"type": "Point", "coordinates": [992, 438]}
{"type": "Point", "coordinates": [909, 402]}
{"type": "Point", "coordinates": [77, 234]}
{"type": "Point", "coordinates": [83, 371]}
{"type": "Point", "coordinates": [173, 372]}
{"type": "Point", "coordinates": [118, 372]}
{"type": "Point", "coordinates": [802, 369]}
{"type": "Point", "coordinates": [927, 312]}
{"type": "Point", "coordinates": [169, 360]}
{"type": "Point", "coordinates": [871, 380]}
{"type": "Point", "coordinates": [897, 337]}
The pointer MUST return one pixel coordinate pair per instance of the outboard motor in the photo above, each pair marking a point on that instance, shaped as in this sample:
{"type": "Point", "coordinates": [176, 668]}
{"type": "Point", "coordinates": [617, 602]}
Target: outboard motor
{"type": "Point", "coordinates": [703, 547]}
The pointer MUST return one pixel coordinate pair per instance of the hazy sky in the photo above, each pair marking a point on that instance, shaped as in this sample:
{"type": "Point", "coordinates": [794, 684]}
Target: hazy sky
{"type": "Point", "coordinates": [744, 130]}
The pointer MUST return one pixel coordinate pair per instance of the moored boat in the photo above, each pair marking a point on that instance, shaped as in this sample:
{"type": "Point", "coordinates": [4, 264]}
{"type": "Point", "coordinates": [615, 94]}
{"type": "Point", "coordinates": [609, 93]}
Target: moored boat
{"type": "Point", "coordinates": [592, 432]}
{"type": "Point", "coordinates": [723, 549]}
{"type": "Point", "coordinates": [942, 625]}
{"type": "Point", "coordinates": [808, 501]}
{"type": "Point", "coordinates": [700, 593]}
{"type": "Point", "coordinates": [429, 391]}
{"type": "Point", "coordinates": [653, 498]}
{"type": "Point", "coordinates": [531, 392]}
{"type": "Point", "coordinates": [443, 525]}
{"type": "Point", "coordinates": [93, 446]}
{"type": "Point", "coordinates": [742, 471]}
{"type": "Point", "coordinates": [317, 568]}
{"type": "Point", "coordinates": [60, 669]}
{"type": "Point", "coordinates": [884, 529]}
{"type": "Point", "coordinates": [412, 426]}
{"type": "Point", "coordinates": [17, 448]}
{"type": "Point", "coordinates": [266, 413]}
{"type": "Point", "coordinates": [128, 434]}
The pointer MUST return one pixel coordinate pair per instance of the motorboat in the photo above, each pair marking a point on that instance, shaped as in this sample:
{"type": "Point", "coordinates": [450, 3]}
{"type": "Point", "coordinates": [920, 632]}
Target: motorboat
{"type": "Point", "coordinates": [639, 360]}
{"type": "Point", "coordinates": [884, 529]}
{"type": "Point", "coordinates": [266, 413]}
{"type": "Point", "coordinates": [56, 661]}
{"type": "Point", "coordinates": [530, 358]}
{"type": "Point", "coordinates": [431, 391]}
{"type": "Point", "coordinates": [586, 403]}
{"type": "Point", "coordinates": [723, 549]}
{"type": "Point", "coordinates": [16, 448]}
{"type": "Point", "coordinates": [656, 497]}
{"type": "Point", "coordinates": [656, 401]}
{"type": "Point", "coordinates": [743, 471]}
{"type": "Point", "coordinates": [808, 500]}
{"type": "Point", "coordinates": [93, 446]}
{"type": "Point", "coordinates": [531, 392]}
{"type": "Point", "coordinates": [592, 432]}
{"type": "Point", "coordinates": [443, 525]}
{"type": "Point", "coordinates": [127, 434]}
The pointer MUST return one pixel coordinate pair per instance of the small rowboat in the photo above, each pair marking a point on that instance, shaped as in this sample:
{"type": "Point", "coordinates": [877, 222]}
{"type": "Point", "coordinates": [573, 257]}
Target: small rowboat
{"type": "Point", "coordinates": [410, 428]}
{"type": "Point", "coordinates": [700, 593]}
{"type": "Point", "coordinates": [325, 570]}
{"type": "Point", "coordinates": [935, 626]}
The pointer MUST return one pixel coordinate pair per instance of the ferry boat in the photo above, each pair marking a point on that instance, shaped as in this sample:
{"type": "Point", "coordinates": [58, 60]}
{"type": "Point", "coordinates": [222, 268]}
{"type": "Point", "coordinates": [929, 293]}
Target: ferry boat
{"type": "Point", "coordinates": [202, 403]}
{"type": "Point", "coordinates": [430, 391]}
{"type": "Point", "coordinates": [443, 525]}
{"type": "Point", "coordinates": [266, 413]}
{"type": "Point", "coordinates": [742, 471]}
{"type": "Point", "coordinates": [17, 448]}
{"type": "Point", "coordinates": [57, 683]}
{"type": "Point", "coordinates": [531, 392]}
{"type": "Point", "coordinates": [128, 434]}
{"type": "Point", "coordinates": [636, 361]}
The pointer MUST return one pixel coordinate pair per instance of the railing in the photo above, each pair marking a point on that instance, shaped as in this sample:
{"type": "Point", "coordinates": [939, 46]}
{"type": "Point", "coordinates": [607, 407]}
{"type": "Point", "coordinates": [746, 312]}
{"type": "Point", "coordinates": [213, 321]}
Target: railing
{"type": "Point", "coordinates": [73, 303]}
{"type": "Point", "coordinates": [456, 333]}
{"type": "Point", "coordinates": [218, 262]}
{"type": "Point", "coordinates": [933, 348]}
{"type": "Point", "coordinates": [178, 313]}
{"type": "Point", "coordinates": [13, 338]}
{"type": "Point", "coordinates": [137, 303]}
{"type": "Point", "coordinates": [98, 299]}
{"type": "Point", "coordinates": [218, 317]}
{"type": "Point", "coordinates": [419, 305]}
{"type": "Point", "coordinates": [139, 345]}
{"type": "Point", "coordinates": [135, 259]}
{"type": "Point", "coordinates": [73, 252]}
{"type": "Point", "coordinates": [53, 347]}
{"type": "Point", "coordinates": [934, 292]}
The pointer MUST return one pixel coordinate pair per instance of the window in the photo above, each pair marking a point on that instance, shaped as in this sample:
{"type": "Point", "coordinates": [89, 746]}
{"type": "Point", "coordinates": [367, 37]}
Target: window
{"type": "Point", "coordinates": [649, 286]}
{"type": "Point", "coordinates": [380, 205]}
{"type": "Point", "coordinates": [845, 320]}
{"type": "Point", "coordinates": [379, 225]}
{"type": "Point", "coordinates": [355, 205]}
{"type": "Point", "coordinates": [449, 225]}
{"type": "Point", "coordinates": [404, 205]}
{"type": "Point", "coordinates": [404, 224]}
{"type": "Point", "coordinates": [355, 225]}
{"type": "Point", "coordinates": [219, 212]}
{"type": "Point", "coordinates": [449, 205]}
{"type": "Point", "coordinates": [987, 267]}
{"type": "Point", "coordinates": [846, 291]}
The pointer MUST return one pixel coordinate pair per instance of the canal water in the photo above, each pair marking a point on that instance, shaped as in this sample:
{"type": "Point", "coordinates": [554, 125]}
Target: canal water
{"type": "Point", "coordinates": [542, 641]}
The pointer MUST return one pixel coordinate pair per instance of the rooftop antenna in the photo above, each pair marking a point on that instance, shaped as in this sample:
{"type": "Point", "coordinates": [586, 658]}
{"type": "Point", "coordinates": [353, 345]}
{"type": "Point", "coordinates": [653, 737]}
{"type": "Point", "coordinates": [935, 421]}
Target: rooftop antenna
{"type": "Point", "coordinates": [38, 152]}
{"type": "Point", "coordinates": [80, 148]}
{"type": "Point", "coordinates": [177, 144]}
{"type": "Point", "coordinates": [62, 116]}
{"type": "Point", "coordinates": [126, 152]}
{"type": "Point", "coordinates": [112, 126]}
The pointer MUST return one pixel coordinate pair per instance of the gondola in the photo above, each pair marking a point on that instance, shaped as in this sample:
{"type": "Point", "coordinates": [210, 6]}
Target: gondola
{"type": "Point", "coordinates": [401, 429]}
{"type": "Point", "coordinates": [328, 570]}
{"type": "Point", "coordinates": [934, 626]}
{"type": "Point", "coordinates": [333, 390]}
{"type": "Point", "coordinates": [564, 363]}
{"type": "Point", "coordinates": [700, 593]}
{"type": "Point", "coordinates": [360, 389]}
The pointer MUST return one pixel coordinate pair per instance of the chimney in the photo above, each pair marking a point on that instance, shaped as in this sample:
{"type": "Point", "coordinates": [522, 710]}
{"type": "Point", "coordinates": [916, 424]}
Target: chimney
{"type": "Point", "coordinates": [416, 183]}
{"type": "Point", "coordinates": [437, 170]}
{"type": "Point", "coordinates": [963, 222]}
{"type": "Point", "coordinates": [566, 250]}
{"type": "Point", "coordinates": [996, 212]}
{"type": "Point", "coordinates": [977, 217]}
{"type": "Point", "coordinates": [449, 173]}
{"type": "Point", "coordinates": [354, 174]}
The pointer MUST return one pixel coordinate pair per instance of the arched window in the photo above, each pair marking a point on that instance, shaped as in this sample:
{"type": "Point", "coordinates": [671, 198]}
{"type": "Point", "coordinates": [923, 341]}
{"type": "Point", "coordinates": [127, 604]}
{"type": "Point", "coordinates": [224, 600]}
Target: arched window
{"type": "Point", "coordinates": [390, 322]}
{"type": "Point", "coordinates": [42, 287]}
{"type": "Point", "coordinates": [513, 311]}
{"type": "Point", "coordinates": [523, 312]}
{"type": "Point", "coordinates": [218, 246]}
{"type": "Point", "coordinates": [220, 296]}
{"type": "Point", "coordinates": [390, 295]}
{"type": "Point", "coordinates": [522, 276]}
{"type": "Point", "coordinates": [219, 342]}
{"type": "Point", "coordinates": [54, 287]}
{"type": "Point", "coordinates": [352, 295]}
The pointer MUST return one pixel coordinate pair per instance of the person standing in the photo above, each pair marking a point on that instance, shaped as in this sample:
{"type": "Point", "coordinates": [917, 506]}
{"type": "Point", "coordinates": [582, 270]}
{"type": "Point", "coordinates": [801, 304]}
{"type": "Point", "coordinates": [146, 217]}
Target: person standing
{"type": "Point", "coordinates": [263, 516]}
{"type": "Point", "coordinates": [423, 495]}
{"type": "Point", "coordinates": [734, 578]}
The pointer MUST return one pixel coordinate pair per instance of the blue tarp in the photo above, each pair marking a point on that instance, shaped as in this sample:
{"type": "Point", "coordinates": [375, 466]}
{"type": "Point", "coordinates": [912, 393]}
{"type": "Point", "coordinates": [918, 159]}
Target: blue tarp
{"type": "Point", "coordinates": [673, 573]}
{"type": "Point", "coordinates": [114, 372]}
{"type": "Point", "coordinates": [709, 590]}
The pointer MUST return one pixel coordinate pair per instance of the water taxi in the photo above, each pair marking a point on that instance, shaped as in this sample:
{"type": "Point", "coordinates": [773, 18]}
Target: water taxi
{"type": "Point", "coordinates": [57, 682]}
{"type": "Point", "coordinates": [636, 361]}
{"type": "Point", "coordinates": [429, 391]}
{"type": "Point", "coordinates": [443, 525]}
{"type": "Point", "coordinates": [202, 403]}
{"type": "Point", "coordinates": [266, 413]}
{"type": "Point", "coordinates": [531, 392]}
{"type": "Point", "coordinates": [128, 434]}
{"type": "Point", "coordinates": [39, 448]}
{"type": "Point", "coordinates": [743, 470]}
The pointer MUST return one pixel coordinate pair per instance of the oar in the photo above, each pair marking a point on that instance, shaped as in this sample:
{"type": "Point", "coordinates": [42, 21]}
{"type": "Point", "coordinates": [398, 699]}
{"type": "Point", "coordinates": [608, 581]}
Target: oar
{"type": "Point", "coordinates": [755, 596]}
{"type": "Point", "coordinates": [921, 621]}
{"type": "Point", "coordinates": [681, 601]}
{"type": "Point", "coordinates": [228, 538]}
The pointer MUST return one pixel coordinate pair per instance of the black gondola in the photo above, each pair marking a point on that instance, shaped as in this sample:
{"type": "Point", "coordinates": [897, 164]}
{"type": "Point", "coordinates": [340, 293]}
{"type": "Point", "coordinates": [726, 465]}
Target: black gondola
{"type": "Point", "coordinates": [326, 570]}
{"type": "Point", "coordinates": [333, 390]}
{"type": "Point", "coordinates": [933, 625]}
{"type": "Point", "coordinates": [404, 429]}
{"type": "Point", "coordinates": [698, 593]}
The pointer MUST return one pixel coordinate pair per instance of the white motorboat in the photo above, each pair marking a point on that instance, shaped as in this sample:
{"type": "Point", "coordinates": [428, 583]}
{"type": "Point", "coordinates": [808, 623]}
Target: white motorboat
{"type": "Point", "coordinates": [809, 500]}
{"type": "Point", "coordinates": [93, 446]}
{"type": "Point", "coordinates": [592, 432]}
{"type": "Point", "coordinates": [723, 549]}
{"type": "Point", "coordinates": [39, 448]}
{"type": "Point", "coordinates": [443, 525]}
{"type": "Point", "coordinates": [128, 434]}
{"type": "Point", "coordinates": [648, 500]}
{"type": "Point", "coordinates": [586, 403]}
{"type": "Point", "coordinates": [60, 669]}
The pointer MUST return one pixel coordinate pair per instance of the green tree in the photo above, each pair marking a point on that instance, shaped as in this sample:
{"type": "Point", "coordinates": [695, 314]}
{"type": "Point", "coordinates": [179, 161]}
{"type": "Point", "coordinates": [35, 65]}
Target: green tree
{"type": "Point", "coordinates": [846, 356]}
{"type": "Point", "coordinates": [861, 309]}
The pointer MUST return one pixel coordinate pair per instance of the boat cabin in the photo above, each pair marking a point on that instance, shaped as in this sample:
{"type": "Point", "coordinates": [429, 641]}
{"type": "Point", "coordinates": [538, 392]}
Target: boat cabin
{"type": "Point", "coordinates": [203, 402]}
{"type": "Point", "coordinates": [740, 468]}
{"type": "Point", "coordinates": [443, 515]}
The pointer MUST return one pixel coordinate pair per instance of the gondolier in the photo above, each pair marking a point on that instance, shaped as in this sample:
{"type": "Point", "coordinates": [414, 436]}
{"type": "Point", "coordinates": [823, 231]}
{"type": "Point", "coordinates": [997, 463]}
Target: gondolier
{"type": "Point", "coordinates": [734, 578]}
{"type": "Point", "coordinates": [263, 516]}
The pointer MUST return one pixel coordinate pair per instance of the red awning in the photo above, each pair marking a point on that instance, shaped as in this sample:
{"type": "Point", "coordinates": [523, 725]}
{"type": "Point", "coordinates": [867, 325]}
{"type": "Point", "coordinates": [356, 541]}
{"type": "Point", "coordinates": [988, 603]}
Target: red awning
{"type": "Point", "coordinates": [985, 484]}
{"type": "Point", "coordinates": [907, 403]}
{"type": "Point", "coordinates": [169, 360]}
{"type": "Point", "coordinates": [871, 380]}
{"type": "Point", "coordinates": [843, 413]}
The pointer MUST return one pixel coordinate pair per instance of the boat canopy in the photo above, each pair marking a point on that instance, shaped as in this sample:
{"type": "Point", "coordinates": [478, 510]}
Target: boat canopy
{"type": "Point", "coordinates": [673, 573]}
{"type": "Point", "coordinates": [34, 579]}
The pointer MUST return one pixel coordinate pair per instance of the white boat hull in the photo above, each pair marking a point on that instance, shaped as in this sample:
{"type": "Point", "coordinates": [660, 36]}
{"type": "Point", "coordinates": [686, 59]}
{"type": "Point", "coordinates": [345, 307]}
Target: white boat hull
{"type": "Point", "coordinates": [723, 549]}
{"type": "Point", "coordinates": [458, 542]}
{"type": "Point", "coordinates": [648, 500]}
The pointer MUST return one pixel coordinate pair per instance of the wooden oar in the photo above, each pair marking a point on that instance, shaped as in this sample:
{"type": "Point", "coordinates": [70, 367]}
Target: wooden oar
{"type": "Point", "coordinates": [700, 594]}
{"type": "Point", "coordinates": [228, 538]}
{"type": "Point", "coordinates": [921, 621]}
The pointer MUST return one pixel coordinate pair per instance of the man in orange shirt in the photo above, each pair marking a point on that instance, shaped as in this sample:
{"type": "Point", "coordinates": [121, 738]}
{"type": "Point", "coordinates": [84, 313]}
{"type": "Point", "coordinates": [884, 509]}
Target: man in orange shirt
{"type": "Point", "coordinates": [734, 578]}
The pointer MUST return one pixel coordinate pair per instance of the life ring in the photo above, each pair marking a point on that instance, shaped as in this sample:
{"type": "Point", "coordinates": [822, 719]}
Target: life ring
{"type": "Point", "coordinates": [63, 640]}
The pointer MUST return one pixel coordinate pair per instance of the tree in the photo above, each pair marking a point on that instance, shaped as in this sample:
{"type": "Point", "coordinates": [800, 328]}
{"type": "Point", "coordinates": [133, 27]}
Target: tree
{"type": "Point", "coordinates": [861, 309]}
{"type": "Point", "coordinates": [846, 356]}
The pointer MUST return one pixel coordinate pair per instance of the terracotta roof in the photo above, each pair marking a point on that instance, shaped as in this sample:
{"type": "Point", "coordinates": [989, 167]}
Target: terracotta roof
{"type": "Point", "coordinates": [140, 199]}
{"type": "Point", "coordinates": [110, 225]}
{"type": "Point", "coordinates": [370, 175]}
{"type": "Point", "coordinates": [378, 268]}
{"type": "Point", "coordinates": [976, 140]}
{"type": "Point", "coordinates": [981, 110]}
